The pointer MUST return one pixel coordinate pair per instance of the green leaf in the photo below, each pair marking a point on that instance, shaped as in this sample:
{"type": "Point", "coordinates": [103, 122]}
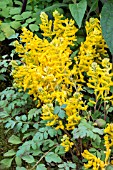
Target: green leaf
{"type": "Point", "coordinates": [6, 162]}
{"type": "Point", "coordinates": [36, 125]}
{"type": "Point", "coordinates": [109, 167]}
{"type": "Point", "coordinates": [91, 91]}
{"type": "Point", "coordinates": [33, 27]}
{"type": "Point", "coordinates": [2, 36]}
{"type": "Point", "coordinates": [56, 109]}
{"type": "Point", "coordinates": [3, 114]}
{"type": "Point", "coordinates": [74, 54]}
{"type": "Point", "coordinates": [92, 150]}
{"type": "Point", "coordinates": [51, 132]}
{"type": "Point", "coordinates": [61, 114]}
{"type": "Point", "coordinates": [52, 157]}
{"type": "Point", "coordinates": [18, 3]}
{"type": "Point", "coordinates": [63, 106]}
{"type": "Point", "coordinates": [5, 12]}
{"type": "Point", "coordinates": [18, 161]}
{"type": "Point", "coordinates": [15, 24]}
{"type": "Point", "coordinates": [30, 20]}
{"type": "Point", "coordinates": [25, 127]}
{"type": "Point", "coordinates": [18, 126]}
{"type": "Point", "coordinates": [24, 117]}
{"type": "Point", "coordinates": [78, 10]}
{"type": "Point", "coordinates": [90, 104]}
{"type": "Point", "coordinates": [10, 153]}
{"type": "Point", "coordinates": [41, 167]}
{"type": "Point", "coordinates": [71, 165]}
{"type": "Point", "coordinates": [110, 109]}
{"type": "Point", "coordinates": [2, 77]}
{"type": "Point", "coordinates": [45, 135]}
{"type": "Point", "coordinates": [14, 140]}
{"type": "Point", "coordinates": [14, 11]}
{"type": "Point", "coordinates": [17, 17]}
{"type": "Point", "coordinates": [111, 89]}
{"type": "Point", "coordinates": [28, 158]}
{"type": "Point", "coordinates": [99, 131]}
{"type": "Point", "coordinates": [33, 113]}
{"type": "Point", "coordinates": [36, 152]}
{"type": "Point", "coordinates": [106, 21]}
{"type": "Point", "coordinates": [8, 31]}
{"type": "Point", "coordinates": [26, 15]}
{"type": "Point", "coordinates": [34, 145]}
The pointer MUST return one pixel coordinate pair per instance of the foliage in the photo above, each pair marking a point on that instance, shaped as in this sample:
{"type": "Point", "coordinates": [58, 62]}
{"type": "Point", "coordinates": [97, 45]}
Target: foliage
{"type": "Point", "coordinates": [5, 70]}
{"type": "Point", "coordinates": [106, 20]}
{"type": "Point", "coordinates": [35, 139]}
{"type": "Point", "coordinates": [59, 110]}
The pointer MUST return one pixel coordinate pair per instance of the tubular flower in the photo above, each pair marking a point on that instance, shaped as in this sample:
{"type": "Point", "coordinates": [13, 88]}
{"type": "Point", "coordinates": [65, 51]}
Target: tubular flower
{"type": "Point", "coordinates": [93, 49]}
{"type": "Point", "coordinates": [66, 143]}
{"type": "Point", "coordinates": [108, 141]}
{"type": "Point", "coordinates": [93, 162]}
{"type": "Point", "coordinates": [61, 28]}
{"type": "Point", "coordinates": [101, 79]}
{"type": "Point", "coordinates": [45, 68]}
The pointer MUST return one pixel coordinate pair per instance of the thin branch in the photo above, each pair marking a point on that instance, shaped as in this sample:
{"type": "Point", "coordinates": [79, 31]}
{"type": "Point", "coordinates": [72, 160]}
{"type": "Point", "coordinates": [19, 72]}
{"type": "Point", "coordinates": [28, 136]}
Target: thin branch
{"type": "Point", "coordinates": [43, 157]}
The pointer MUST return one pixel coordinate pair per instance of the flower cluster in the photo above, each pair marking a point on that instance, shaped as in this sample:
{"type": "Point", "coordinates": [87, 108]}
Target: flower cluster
{"type": "Point", "coordinates": [46, 64]}
{"type": "Point", "coordinates": [75, 105]}
{"type": "Point", "coordinates": [66, 143]}
{"type": "Point", "coordinates": [93, 49]}
{"type": "Point", "coordinates": [108, 141]}
{"type": "Point", "coordinates": [95, 162]}
{"type": "Point", "coordinates": [101, 79]}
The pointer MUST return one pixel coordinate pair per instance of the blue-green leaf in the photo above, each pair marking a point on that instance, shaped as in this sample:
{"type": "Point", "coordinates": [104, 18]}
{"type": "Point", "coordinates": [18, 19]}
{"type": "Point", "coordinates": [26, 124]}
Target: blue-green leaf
{"type": "Point", "coordinates": [14, 140]}
{"type": "Point", "coordinates": [28, 158]}
{"type": "Point", "coordinates": [18, 161]}
{"type": "Point", "coordinates": [52, 157]}
{"type": "Point", "coordinates": [41, 167]}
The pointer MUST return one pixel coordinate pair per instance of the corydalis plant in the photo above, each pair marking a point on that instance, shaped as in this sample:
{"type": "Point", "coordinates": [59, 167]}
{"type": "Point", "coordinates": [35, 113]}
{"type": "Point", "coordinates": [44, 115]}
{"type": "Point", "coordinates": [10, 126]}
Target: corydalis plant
{"type": "Point", "coordinates": [45, 71]}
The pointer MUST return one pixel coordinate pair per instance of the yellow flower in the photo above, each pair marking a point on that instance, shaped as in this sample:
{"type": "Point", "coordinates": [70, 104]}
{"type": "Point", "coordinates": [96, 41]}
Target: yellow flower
{"type": "Point", "coordinates": [92, 49]}
{"type": "Point", "coordinates": [101, 79]}
{"type": "Point", "coordinates": [45, 68]}
{"type": "Point", "coordinates": [111, 162]}
{"type": "Point", "coordinates": [66, 143]}
{"type": "Point", "coordinates": [93, 161]}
